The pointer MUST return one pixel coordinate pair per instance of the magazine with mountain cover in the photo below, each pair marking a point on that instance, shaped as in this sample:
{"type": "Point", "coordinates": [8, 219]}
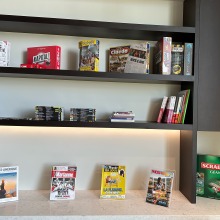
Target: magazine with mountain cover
{"type": "Point", "coordinates": [8, 183]}
{"type": "Point", "coordinates": [160, 187]}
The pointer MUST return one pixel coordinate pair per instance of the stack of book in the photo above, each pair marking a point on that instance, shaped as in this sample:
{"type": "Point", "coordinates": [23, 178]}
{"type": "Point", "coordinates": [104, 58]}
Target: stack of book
{"type": "Point", "coordinates": [49, 113]}
{"type": "Point", "coordinates": [83, 114]}
{"type": "Point", "coordinates": [122, 117]}
{"type": "Point", "coordinates": [173, 108]}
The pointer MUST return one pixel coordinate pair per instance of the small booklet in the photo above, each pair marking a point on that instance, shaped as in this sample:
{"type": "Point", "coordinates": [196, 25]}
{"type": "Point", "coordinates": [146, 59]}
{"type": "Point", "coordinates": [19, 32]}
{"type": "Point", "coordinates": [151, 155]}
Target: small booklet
{"type": "Point", "coordinates": [160, 187]}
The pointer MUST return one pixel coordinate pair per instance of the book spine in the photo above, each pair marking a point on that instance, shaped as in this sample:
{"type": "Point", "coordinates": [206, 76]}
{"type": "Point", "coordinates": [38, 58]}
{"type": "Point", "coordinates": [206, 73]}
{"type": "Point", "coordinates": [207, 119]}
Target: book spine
{"type": "Point", "coordinates": [185, 106]}
{"type": "Point", "coordinates": [172, 105]}
{"type": "Point", "coordinates": [188, 58]}
{"type": "Point", "coordinates": [162, 108]}
{"type": "Point", "coordinates": [180, 100]}
{"type": "Point", "coordinates": [166, 50]}
{"type": "Point", "coordinates": [177, 59]}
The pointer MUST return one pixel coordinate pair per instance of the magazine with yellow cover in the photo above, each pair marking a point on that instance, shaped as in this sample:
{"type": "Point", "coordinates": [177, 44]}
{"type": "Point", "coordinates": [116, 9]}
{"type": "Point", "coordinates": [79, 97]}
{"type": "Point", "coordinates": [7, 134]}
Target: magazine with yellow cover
{"type": "Point", "coordinates": [113, 182]}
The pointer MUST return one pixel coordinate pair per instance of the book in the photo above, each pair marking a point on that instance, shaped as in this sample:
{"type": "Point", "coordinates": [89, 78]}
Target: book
{"type": "Point", "coordinates": [183, 114]}
{"type": "Point", "coordinates": [5, 48]}
{"type": "Point", "coordinates": [63, 182]}
{"type": "Point", "coordinates": [162, 109]}
{"type": "Point", "coordinates": [9, 183]}
{"type": "Point", "coordinates": [138, 58]}
{"type": "Point", "coordinates": [117, 58]}
{"type": "Point", "coordinates": [177, 55]}
{"type": "Point", "coordinates": [168, 112]}
{"type": "Point", "coordinates": [89, 55]}
{"type": "Point", "coordinates": [122, 120]}
{"type": "Point", "coordinates": [162, 56]}
{"type": "Point", "coordinates": [188, 58]}
{"type": "Point", "coordinates": [208, 176]}
{"type": "Point", "coordinates": [113, 182]}
{"type": "Point", "coordinates": [160, 187]}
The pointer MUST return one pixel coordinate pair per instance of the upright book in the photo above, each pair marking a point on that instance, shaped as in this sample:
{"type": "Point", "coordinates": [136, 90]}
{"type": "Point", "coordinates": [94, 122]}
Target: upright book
{"type": "Point", "coordinates": [113, 182]}
{"type": "Point", "coordinates": [160, 187]}
{"type": "Point", "coordinates": [8, 184]}
{"type": "Point", "coordinates": [63, 182]}
{"type": "Point", "coordinates": [162, 56]}
{"type": "Point", "coordinates": [177, 56]}
{"type": "Point", "coordinates": [162, 109]}
{"type": "Point", "coordinates": [188, 58]}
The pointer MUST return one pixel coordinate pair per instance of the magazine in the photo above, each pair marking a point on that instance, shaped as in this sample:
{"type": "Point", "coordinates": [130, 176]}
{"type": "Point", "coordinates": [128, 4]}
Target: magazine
{"type": "Point", "coordinates": [63, 182]}
{"type": "Point", "coordinates": [8, 183]}
{"type": "Point", "coordinates": [160, 187]}
{"type": "Point", "coordinates": [113, 182]}
{"type": "Point", "coordinates": [138, 58]}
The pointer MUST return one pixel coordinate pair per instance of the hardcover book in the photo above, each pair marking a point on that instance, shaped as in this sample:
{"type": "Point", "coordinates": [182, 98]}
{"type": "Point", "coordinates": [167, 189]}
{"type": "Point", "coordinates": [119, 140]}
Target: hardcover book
{"type": "Point", "coordinates": [117, 58]}
{"type": "Point", "coordinates": [138, 58]}
{"type": "Point", "coordinates": [8, 184]}
{"type": "Point", "coordinates": [160, 187]}
{"type": "Point", "coordinates": [89, 55]}
{"type": "Point", "coordinates": [168, 112]}
{"type": "Point", "coordinates": [113, 182]}
{"type": "Point", "coordinates": [188, 58]}
{"type": "Point", "coordinates": [5, 47]}
{"type": "Point", "coordinates": [162, 56]}
{"type": "Point", "coordinates": [177, 56]}
{"type": "Point", "coordinates": [208, 176]}
{"type": "Point", "coordinates": [63, 182]}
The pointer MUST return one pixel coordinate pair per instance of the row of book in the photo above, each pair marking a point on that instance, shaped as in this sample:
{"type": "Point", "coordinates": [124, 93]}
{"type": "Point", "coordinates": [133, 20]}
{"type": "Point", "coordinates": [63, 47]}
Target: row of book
{"type": "Point", "coordinates": [168, 57]}
{"type": "Point", "coordinates": [113, 184]}
{"type": "Point", "coordinates": [122, 117]}
{"type": "Point", "coordinates": [173, 109]}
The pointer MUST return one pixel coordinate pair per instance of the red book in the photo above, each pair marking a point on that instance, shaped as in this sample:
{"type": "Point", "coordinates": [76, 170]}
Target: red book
{"type": "Point", "coordinates": [162, 108]}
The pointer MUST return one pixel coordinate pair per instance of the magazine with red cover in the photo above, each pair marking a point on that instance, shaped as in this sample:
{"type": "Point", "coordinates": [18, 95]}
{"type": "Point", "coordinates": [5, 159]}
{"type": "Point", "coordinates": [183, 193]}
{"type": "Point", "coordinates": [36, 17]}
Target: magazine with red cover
{"type": "Point", "coordinates": [63, 182]}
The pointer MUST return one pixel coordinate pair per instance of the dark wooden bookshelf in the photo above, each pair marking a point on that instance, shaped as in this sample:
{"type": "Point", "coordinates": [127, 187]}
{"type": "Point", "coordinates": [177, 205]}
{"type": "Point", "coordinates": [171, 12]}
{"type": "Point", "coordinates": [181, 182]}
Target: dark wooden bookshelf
{"type": "Point", "coordinates": [113, 30]}
{"type": "Point", "coordinates": [97, 124]}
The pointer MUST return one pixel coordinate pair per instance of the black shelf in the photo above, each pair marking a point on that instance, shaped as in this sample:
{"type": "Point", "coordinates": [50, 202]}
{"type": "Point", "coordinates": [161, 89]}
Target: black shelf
{"type": "Point", "coordinates": [58, 26]}
{"type": "Point", "coordinates": [98, 124]}
{"type": "Point", "coordinates": [93, 76]}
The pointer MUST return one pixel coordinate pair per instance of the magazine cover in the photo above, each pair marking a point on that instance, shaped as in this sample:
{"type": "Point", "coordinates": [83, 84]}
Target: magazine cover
{"type": "Point", "coordinates": [208, 178]}
{"type": "Point", "coordinates": [63, 182]}
{"type": "Point", "coordinates": [138, 58]}
{"type": "Point", "coordinates": [117, 58]}
{"type": "Point", "coordinates": [89, 55]}
{"type": "Point", "coordinates": [113, 182]}
{"type": "Point", "coordinates": [8, 184]}
{"type": "Point", "coordinates": [160, 187]}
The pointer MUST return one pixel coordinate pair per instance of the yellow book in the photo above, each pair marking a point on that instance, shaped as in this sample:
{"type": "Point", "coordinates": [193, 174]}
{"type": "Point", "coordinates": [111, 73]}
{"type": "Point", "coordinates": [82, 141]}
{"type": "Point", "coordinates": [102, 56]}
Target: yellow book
{"type": "Point", "coordinates": [113, 182]}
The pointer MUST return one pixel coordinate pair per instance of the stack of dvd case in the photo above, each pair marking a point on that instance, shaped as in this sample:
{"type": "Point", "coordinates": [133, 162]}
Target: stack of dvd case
{"type": "Point", "coordinates": [83, 114]}
{"type": "Point", "coordinates": [49, 113]}
{"type": "Point", "coordinates": [122, 117]}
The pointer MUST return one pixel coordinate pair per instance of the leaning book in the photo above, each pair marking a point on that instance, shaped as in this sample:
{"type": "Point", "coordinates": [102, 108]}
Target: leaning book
{"type": "Point", "coordinates": [63, 182]}
{"type": "Point", "coordinates": [8, 183]}
{"type": "Point", "coordinates": [160, 187]}
{"type": "Point", "coordinates": [113, 182]}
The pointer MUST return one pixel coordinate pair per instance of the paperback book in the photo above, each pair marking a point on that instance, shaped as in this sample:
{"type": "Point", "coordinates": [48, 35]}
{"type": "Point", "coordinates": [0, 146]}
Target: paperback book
{"type": "Point", "coordinates": [8, 184]}
{"type": "Point", "coordinates": [63, 183]}
{"type": "Point", "coordinates": [113, 182]}
{"type": "Point", "coordinates": [188, 58]}
{"type": "Point", "coordinates": [177, 56]}
{"type": "Point", "coordinates": [160, 187]}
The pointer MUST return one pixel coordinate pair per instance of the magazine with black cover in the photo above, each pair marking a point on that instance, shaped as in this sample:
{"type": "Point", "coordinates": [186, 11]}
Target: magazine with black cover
{"type": "Point", "coordinates": [8, 184]}
{"type": "Point", "coordinates": [63, 182]}
{"type": "Point", "coordinates": [160, 187]}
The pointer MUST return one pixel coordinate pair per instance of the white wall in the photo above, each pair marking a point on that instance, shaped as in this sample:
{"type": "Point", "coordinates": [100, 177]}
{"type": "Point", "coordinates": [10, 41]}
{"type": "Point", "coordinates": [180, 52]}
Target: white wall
{"type": "Point", "coordinates": [36, 149]}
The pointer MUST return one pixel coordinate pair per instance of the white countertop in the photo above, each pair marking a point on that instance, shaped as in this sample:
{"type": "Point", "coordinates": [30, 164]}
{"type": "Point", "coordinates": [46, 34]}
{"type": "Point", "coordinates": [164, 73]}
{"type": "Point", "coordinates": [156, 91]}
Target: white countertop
{"type": "Point", "coordinates": [87, 205]}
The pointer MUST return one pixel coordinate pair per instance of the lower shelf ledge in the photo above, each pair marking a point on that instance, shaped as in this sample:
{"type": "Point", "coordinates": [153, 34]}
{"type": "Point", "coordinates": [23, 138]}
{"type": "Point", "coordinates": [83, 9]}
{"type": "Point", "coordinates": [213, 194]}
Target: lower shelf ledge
{"type": "Point", "coordinates": [87, 205]}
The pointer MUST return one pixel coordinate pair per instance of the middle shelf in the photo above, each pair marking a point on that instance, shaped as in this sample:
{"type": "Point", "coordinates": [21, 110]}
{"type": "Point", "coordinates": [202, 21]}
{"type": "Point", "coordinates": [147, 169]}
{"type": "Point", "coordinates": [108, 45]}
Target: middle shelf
{"type": "Point", "coordinates": [97, 124]}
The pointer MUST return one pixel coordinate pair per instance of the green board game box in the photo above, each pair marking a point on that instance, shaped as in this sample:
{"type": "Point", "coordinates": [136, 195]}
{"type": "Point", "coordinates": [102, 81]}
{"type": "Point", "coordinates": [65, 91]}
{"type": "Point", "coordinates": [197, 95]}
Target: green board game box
{"type": "Point", "coordinates": [208, 176]}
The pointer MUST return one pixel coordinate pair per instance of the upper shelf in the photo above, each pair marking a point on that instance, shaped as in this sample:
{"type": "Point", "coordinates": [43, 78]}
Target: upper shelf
{"type": "Point", "coordinates": [57, 26]}
{"type": "Point", "coordinates": [93, 76]}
